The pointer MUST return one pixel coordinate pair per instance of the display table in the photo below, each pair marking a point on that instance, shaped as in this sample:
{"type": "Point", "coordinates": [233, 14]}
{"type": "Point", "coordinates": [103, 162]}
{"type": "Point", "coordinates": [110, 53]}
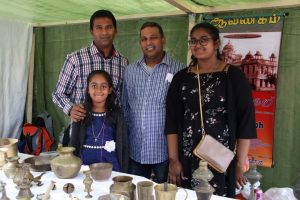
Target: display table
{"type": "Point", "coordinates": [99, 188]}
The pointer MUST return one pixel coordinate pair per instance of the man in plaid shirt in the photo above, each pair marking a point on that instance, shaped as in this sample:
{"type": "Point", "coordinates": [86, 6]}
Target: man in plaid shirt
{"type": "Point", "coordinates": [69, 92]}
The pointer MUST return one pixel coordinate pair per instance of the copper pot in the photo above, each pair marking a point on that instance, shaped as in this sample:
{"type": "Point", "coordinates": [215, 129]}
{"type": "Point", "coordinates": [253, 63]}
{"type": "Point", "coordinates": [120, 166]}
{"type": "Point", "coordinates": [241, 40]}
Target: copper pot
{"type": "Point", "coordinates": [11, 145]}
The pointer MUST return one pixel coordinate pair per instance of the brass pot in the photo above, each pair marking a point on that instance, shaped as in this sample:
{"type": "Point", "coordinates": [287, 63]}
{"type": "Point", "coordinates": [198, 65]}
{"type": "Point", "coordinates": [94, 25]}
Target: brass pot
{"type": "Point", "coordinates": [66, 164]}
{"type": "Point", "coordinates": [11, 145]}
{"type": "Point", "coordinates": [123, 185]}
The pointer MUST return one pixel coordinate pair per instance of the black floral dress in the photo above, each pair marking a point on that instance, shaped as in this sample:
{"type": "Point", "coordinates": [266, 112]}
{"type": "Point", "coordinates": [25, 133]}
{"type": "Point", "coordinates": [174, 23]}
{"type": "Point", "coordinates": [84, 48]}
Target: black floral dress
{"type": "Point", "coordinates": [228, 113]}
{"type": "Point", "coordinates": [213, 91]}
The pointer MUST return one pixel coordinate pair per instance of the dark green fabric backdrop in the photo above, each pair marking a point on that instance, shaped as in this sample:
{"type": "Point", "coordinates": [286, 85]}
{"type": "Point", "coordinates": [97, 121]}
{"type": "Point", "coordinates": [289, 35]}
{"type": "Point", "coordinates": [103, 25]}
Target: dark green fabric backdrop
{"type": "Point", "coordinates": [54, 43]}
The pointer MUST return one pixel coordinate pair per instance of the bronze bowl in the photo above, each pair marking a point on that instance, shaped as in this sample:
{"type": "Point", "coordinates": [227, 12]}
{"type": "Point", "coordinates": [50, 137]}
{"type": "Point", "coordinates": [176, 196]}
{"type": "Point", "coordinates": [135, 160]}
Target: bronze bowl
{"type": "Point", "coordinates": [100, 171]}
{"type": "Point", "coordinates": [40, 163]}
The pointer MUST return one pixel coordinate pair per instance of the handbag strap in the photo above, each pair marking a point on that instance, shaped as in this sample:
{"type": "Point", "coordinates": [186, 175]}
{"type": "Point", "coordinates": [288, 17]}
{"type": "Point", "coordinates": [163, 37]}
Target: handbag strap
{"type": "Point", "coordinates": [200, 101]}
{"type": "Point", "coordinates": [200, 96]}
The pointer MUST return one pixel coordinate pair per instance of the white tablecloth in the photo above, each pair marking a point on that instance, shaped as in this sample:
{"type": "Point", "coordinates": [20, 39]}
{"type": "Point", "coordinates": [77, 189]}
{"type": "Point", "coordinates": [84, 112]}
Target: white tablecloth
{"type": "Point", "coordinates": [98, 187]}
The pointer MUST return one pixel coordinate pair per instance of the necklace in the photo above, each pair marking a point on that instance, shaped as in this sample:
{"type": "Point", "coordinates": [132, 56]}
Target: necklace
{"type": "Point", "coordinates": [96, 137]}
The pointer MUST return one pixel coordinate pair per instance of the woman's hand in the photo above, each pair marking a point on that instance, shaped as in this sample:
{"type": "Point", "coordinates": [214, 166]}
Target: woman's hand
{"type": "Point", "coordinates": [242, 149]}
{"type": "Point", "coordinates": [175, 172]}
{"type": "Point", "coordinates": [241, 168]}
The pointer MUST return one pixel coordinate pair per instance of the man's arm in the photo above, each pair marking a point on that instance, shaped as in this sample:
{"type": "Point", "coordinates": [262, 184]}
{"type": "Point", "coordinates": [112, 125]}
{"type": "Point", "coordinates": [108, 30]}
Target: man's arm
{"type": "Point", "coordinates": [63, 90]}
{"type": "Point", "coordinates": [124, 99]}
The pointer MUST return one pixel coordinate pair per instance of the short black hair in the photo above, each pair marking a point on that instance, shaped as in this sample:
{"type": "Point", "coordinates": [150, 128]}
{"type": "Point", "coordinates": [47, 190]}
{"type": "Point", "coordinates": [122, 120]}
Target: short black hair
{"type": "Point", "coordinates": [153, 24]}
{"type": "Point", "coordinates": [102, 14]}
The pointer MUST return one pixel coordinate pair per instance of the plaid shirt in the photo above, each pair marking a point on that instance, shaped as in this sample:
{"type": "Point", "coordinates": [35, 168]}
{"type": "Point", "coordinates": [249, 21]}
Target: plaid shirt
{"type": "Point", "coordinates": [144, 102]}
{"type": "Point", "coordinates": [71, 85]}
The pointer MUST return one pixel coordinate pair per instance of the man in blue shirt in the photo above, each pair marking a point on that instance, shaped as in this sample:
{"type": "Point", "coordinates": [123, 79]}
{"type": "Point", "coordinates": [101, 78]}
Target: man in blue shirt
{"type": "Point", "coordinates": [145, 87]}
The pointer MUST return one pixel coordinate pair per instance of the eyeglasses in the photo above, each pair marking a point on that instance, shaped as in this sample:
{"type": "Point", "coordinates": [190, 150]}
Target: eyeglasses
{"type": "Point", "coordinates": [203, 41]}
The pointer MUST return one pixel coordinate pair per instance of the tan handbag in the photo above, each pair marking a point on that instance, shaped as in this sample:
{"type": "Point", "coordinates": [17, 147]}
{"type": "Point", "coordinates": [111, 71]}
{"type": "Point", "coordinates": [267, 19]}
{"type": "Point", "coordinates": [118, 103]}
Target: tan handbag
{"type": "Point", "coordinates": [209, 149]}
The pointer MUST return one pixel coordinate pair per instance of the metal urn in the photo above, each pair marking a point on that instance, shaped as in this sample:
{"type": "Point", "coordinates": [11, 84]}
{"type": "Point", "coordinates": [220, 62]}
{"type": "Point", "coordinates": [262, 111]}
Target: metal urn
{"type": "Point", "coordinates": [252, 176]}
{"type": "Point", "coordinates": [202, 176]}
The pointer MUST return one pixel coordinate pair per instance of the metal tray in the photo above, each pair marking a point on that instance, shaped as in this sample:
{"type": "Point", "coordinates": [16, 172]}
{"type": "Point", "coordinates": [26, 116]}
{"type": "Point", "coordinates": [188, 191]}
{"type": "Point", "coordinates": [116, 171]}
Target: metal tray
{"type": "Point", "coordinates": [39, 163]}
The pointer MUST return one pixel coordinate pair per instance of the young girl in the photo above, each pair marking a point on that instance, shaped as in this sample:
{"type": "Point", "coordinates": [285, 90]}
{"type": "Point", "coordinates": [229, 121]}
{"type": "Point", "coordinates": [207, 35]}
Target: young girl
{"type": "Point", "coordinates": [102, 135]}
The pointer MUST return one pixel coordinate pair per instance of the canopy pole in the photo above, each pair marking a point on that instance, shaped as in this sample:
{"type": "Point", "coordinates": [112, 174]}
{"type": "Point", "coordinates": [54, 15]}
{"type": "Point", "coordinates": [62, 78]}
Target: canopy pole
{"type": "Point", "coordinates": [192, 22]}
{"type": "Point", "coordinates": [29, 96]}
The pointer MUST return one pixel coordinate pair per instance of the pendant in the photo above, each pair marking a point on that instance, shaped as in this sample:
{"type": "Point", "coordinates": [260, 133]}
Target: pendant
{"type": "Point", "coordinates": [96, 139]}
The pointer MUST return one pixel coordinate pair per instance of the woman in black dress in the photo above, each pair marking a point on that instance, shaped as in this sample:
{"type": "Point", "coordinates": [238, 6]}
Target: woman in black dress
{"type": "Point", "coordinates": [228, 113]}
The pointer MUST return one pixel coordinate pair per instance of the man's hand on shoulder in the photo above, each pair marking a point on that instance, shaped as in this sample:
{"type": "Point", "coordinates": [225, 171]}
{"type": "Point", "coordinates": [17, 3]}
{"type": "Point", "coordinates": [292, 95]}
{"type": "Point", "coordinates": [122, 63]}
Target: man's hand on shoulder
{"type": "Point", "coordinates": [77, 112]}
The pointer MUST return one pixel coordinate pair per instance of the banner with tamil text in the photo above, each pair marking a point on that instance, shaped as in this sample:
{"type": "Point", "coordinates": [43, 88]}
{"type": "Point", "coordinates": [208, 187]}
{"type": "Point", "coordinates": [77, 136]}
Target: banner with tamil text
{"type": "Point", "coordinates": [252, 43]}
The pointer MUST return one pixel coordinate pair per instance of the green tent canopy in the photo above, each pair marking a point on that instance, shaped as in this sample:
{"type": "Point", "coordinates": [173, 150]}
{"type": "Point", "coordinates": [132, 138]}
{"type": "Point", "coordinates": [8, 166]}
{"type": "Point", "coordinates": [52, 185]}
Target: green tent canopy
{"type": "Point", "coordinates": [53, 12]}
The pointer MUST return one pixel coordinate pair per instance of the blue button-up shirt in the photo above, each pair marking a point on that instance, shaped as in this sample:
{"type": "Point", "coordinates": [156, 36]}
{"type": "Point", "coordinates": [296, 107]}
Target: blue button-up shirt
{"type": "Point", "coordinates": [144, 103]}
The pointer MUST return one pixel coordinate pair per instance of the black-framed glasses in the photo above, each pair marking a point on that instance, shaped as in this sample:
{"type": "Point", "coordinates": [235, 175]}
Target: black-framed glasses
{"type": "Point", "coordinates": [203, 41]}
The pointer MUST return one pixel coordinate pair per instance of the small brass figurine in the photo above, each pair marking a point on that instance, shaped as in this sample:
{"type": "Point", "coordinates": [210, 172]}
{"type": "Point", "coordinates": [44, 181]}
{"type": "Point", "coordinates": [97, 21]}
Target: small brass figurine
{"type": "Point", "coordinates": [88, 183]}
{"type": "Point", "coordinates": [24, 187]}
{"type": "Point", "coordinates": [27, 174]}
{"type": "Point", "coordinates": [37, 179]}
{"type": "Point", "coordinates": [24, 192]}
{"type": "Point", "coordinates": [2, 188]}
